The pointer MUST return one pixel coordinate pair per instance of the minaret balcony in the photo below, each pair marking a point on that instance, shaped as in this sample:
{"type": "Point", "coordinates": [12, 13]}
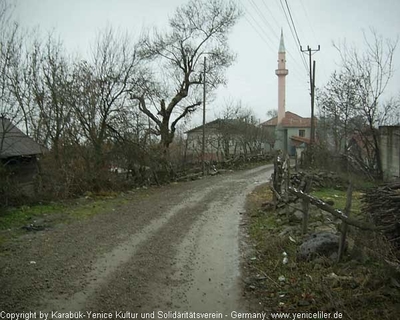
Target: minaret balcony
{"type": "Point", "coordinates": [281, 72]}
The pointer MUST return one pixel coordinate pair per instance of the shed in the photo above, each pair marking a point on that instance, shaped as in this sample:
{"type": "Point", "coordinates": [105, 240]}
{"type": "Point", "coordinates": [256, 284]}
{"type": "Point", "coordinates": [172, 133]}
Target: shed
{"type": "Point", "coordinates": [18, 156]}
{"type": "Point", "coordinates": [14, 143]}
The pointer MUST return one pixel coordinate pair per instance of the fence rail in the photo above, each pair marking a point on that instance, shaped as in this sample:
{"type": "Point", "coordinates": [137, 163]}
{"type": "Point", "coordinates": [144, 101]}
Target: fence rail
{"type": "Point", "coordinates": [281, 188]}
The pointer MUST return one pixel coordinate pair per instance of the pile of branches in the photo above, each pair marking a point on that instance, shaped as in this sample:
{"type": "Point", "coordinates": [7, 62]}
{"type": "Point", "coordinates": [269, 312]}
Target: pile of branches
{"type": "Point", "coordinates": [382, 204]}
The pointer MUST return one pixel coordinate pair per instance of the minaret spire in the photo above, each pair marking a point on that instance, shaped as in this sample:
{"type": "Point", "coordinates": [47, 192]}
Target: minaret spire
{"type": "Point", "coordinates": [281, 72]}
{"type": "Point", "coordinates": [282, 43]}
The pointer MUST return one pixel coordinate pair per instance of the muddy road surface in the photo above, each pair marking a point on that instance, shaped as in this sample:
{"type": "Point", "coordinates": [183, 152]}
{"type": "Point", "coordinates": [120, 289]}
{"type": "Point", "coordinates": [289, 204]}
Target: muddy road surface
{"type": "Point", "coordinates": [173, 248]}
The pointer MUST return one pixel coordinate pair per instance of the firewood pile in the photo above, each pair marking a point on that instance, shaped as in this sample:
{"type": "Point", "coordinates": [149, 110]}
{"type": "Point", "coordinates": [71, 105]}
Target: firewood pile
{"type": "Point", "coordinates": [382, 204]}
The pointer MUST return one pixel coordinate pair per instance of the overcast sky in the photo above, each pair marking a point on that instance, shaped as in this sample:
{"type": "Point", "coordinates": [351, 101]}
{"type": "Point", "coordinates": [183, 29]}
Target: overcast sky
{"type": "Point", "coordinates": [255, 39]}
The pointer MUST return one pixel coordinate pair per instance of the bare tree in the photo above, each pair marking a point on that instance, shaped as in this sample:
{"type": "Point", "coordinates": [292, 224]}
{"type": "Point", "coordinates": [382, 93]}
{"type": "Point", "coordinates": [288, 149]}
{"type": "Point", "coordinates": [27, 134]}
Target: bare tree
{"type": "Point", "coordinates": [272, 113]}
{"type": "Point", "coordinates": [338, 103]}
{"type": "Point", "coordinates": [198, 29]}
{"type": "Point", "coordinates": [99, 90]}
{"type": "Point", "coordinates": [372, 70]}
{"type": "Point", "coordinates": [240, 128]}
{"type": "Point", "coordinates": [10, 54]}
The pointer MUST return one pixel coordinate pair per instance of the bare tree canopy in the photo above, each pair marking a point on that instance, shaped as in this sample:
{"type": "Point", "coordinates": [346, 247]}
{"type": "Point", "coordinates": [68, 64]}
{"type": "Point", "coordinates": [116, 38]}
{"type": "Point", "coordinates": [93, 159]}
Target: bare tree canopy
{"type": "Point", "coordinates": [353, 101]}
{"type": "Point", "coordinates": [198, 29]}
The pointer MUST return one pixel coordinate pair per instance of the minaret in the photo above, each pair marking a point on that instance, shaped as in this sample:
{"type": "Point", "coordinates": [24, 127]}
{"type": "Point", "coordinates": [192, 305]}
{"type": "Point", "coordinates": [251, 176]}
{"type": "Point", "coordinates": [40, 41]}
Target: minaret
{"type": "Point", "coordinates": [281, 72]}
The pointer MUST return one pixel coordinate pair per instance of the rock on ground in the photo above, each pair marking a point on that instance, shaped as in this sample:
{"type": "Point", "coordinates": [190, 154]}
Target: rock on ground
{"type": "Point", "coordinates": [318, 244]}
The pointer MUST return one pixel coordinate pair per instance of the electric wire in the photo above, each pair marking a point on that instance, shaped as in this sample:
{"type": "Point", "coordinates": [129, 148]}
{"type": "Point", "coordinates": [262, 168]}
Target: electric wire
{"type": "Point", "coordinates": [295, 29]}
{"type": "Point", "coordinates": [270, 12]}
{"type": "Point", "coordinates": [308, 20]}
{"type": "Point", "coordinates": [257, 30]}
{"type": "Point", "coordinates": [294, 26]}
{"type": "Point", "coordinates": [322, 66]}
{"type": "Point", "coordinates": [294, 37]}
{"type": "Point", "coordinates": [298, 73]}
{"type": "Point", "coordinates": [277, 37]}
{"type": "Point", "coordinates": [263, 18]}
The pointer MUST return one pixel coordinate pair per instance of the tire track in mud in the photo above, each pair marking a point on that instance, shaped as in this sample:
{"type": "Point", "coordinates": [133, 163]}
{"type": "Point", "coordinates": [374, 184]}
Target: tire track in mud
{"type": "Point", "coordinates": [106, 268]}
{"type": "Point", "coordinates": [184, 266]}
{"type": "Point", "coordinates": [146, 259]}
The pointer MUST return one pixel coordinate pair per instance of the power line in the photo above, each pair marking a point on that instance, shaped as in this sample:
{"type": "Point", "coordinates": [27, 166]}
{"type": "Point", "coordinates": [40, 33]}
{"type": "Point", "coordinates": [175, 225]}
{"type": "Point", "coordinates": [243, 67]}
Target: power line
{"type": "Point", "coordinates": [254, 23]}
{"type": "Point", "coordinates": [296, 69]}
{"type": "Point", "coordinates": [291, 19]}
{"type": "Point", "coordinates": [308, 20]}
{"type": "Point", "coordinates": [257, 30]}
{"type": "Point", "coordinates": [293, 35]}
{"type": "Point", "coordinates": [295, 30]}
{"type": "Point", "coordinates": [263, 17]}
{"type": "Point", "coordinates": [270, 12]}
{"type": "Point", "coordinates": [313, 33]}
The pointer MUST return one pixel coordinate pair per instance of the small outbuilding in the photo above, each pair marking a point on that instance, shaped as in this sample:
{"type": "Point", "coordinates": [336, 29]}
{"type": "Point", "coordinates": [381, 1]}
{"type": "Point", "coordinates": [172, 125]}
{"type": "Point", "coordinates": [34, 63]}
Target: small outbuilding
{"type": "Point", "coordinates": [18, 156]}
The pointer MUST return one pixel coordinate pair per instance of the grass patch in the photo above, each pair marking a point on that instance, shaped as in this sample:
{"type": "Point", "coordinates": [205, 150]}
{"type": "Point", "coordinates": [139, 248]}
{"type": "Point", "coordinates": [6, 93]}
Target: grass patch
{"type": "Point", "coordinates": [357, 288]}
{"type": "Point", "coordinates": [17, 217]}
{"type": "Point", "coordinates": [339, 198]}
{"type": "Point", "coordinates": [13, 219]}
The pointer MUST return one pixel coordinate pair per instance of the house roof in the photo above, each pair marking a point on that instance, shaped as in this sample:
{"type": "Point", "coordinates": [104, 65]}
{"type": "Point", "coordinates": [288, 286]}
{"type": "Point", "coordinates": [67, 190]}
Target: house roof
{"type": "Point", "coordinates": [211, 124]}
{"type": "Point", "coordinates": [217, 124]}
{"type": "Point", "coordinates": [13, 142]}
{"type": "Point", "coordinates": [291, 120]}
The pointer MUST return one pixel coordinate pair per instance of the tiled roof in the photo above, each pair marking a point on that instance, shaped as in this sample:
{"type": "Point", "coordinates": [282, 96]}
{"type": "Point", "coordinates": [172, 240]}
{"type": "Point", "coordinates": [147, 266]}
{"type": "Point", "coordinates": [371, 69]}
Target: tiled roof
{"type": "Point", "coordinates": [219, 124]}
{"type": "Point", "coordinates": [13, 142]}
{"type": "Point", "coordinates": [291, 120]}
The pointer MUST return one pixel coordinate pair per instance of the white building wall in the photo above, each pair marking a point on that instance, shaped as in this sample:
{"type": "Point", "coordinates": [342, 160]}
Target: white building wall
{"type": "Point", "coordinates": [390, 151]}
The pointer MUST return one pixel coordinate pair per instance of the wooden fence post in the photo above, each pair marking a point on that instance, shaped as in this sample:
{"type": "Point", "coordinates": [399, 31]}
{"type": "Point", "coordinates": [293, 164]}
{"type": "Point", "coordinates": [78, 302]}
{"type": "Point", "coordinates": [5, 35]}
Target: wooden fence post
{"type": "Point", "coordinates": [306, 206]}
{"type": "Point", "coordinates": [344, 225]}
{"type": "Point", "coordinates": [287, 184]}
{"type": "Point", "coordinates": [274, 182]}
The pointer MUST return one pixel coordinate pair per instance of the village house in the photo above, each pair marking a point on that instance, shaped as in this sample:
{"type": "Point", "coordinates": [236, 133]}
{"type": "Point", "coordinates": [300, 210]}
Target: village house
{"type": "Point", "coordinates": [296, 132]}
{"type": "Point", "coordinates": [224, 138]}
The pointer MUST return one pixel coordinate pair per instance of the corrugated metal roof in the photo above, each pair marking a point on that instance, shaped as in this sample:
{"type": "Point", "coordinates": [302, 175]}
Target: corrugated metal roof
{"type": "Point", "coordinates": [13, 142]}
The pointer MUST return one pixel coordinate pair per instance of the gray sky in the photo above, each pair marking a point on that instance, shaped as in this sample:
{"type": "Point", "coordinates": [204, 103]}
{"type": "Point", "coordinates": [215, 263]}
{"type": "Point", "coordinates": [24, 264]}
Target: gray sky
{"type": "Point", "coordinates": [255, 39]}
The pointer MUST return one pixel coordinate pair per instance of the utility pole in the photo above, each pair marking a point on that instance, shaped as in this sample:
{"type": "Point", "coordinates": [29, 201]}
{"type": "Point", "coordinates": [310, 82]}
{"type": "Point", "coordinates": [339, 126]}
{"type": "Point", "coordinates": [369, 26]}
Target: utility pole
{"type": "Point", "coordinates": [203, 164]}
{"type": "Point", "coordinates": [312, 106]}
{"type": "Point", "coordinates": [310, 52]}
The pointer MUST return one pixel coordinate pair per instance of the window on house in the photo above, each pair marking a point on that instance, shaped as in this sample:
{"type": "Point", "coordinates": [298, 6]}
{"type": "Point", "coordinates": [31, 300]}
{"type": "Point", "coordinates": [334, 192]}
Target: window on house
{"type": "Point", "coordinates": [302, 133]}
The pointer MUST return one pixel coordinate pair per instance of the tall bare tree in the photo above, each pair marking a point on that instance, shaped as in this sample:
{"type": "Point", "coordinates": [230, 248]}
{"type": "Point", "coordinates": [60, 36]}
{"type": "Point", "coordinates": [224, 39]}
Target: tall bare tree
{"type": "Point", "coordinates": [10, 55]}
{"type": "Point", "coordinates": [372, 71]}
{"type": "Point", "coordinates": [199, 28]}
{"type": "Point", "coordinates": [100, 87]}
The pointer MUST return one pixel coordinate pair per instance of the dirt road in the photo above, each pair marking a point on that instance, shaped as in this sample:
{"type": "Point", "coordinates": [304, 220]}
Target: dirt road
{"type": "Point", "coordinates": [174, 248]}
